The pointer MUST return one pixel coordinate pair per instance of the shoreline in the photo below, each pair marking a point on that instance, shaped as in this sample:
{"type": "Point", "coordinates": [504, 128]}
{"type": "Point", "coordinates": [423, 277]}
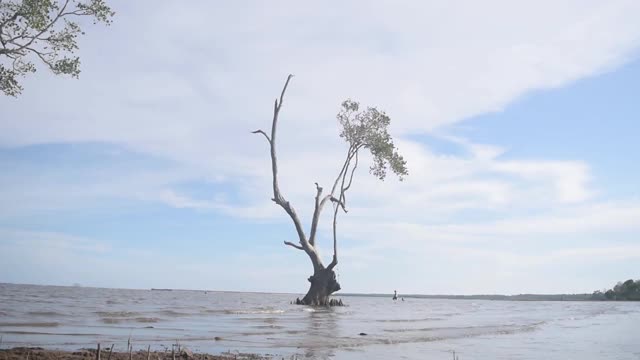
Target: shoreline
{"type": "Point", "coordinates": [41, 353]}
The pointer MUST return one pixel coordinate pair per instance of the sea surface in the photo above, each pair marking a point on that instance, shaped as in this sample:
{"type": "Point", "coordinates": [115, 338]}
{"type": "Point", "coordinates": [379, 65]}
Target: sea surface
{"type": "Point", "coordinates": [77, 317]}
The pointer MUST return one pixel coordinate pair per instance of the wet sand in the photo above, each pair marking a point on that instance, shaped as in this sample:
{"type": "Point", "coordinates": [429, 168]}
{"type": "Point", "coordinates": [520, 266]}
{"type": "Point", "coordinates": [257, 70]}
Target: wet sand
{"type": "Point", "coordinates": [38, 353]}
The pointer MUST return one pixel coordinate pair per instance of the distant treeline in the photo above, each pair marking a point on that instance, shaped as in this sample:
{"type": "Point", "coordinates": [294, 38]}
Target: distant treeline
{"type": "Point", "coordinates": [623, 291]}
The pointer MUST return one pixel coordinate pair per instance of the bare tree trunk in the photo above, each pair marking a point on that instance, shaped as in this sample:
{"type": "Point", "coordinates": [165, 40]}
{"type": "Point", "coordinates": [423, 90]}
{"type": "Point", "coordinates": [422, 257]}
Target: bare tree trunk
{"type": "Point", "coordinates": [323, 284]}
{"type": "Point", "coordinates": [323, 281]}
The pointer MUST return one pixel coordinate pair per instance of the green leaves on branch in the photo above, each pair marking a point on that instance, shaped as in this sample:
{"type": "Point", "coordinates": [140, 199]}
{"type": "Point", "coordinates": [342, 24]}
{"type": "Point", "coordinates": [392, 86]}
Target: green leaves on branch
{"type": "Point", "coordinates": [369, 129]}
{"type": "Point", "coordinates": [43, 31]}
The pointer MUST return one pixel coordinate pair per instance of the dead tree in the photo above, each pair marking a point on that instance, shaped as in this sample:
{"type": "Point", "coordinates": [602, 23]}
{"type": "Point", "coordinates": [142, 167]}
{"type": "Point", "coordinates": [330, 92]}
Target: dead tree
{"type": "Point", "coordinates": [365, 129]}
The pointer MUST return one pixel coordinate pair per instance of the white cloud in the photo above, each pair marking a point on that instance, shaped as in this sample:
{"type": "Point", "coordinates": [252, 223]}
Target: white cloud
{"type": "Point", "coordinates": [188, 84]}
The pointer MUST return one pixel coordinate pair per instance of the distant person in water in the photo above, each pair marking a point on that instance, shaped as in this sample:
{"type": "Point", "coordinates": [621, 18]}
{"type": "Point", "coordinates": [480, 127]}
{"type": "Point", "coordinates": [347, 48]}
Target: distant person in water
{"type": "Point", "coordinates": [403, 298]}
{"type": "Point", "coordinates": [395, 295]}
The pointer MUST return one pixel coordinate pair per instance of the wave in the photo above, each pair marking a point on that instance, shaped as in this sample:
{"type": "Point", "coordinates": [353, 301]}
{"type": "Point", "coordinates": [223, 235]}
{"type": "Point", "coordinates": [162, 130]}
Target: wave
{"type": "Point", "coordinates": [409, 320]}
{"type": "Point", "coordinates": [30, 324]}
{"type": "Point", "coordinates": [44, 313]}
{"type": "Point", "coordinates": [117, 314]}
{"type": "Point", "coordinates": [242, 311]}
{"type": "Point", "coordinates": [253, 312]}
{"type": "Point", "coordinates": [17, 332]}
{"type": "Point", "coordinates": [268, 327]}
{"type": "Point", "coordinates": [174, 313]}
{"type": "Point", "coordinates": [442, 333]}
{"type": "Point", "coordinates": [147, 320]}
{"type": "Point", "coordinates": [143, 320]}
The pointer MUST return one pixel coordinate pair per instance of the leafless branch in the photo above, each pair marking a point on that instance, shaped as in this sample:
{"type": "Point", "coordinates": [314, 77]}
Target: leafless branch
{"type": "Point", "coordinates": [355, 165]}
{"type": "Point", "coordinates": [339, 203]}
{"type": "Point", "coordinates": [294, 245]}
{"type": "Point", "coordinates": [278, 198]}
{"type": "Point", "coordinates": [263, 133]}
{"type": "Point", "coordinates": [334, 261]}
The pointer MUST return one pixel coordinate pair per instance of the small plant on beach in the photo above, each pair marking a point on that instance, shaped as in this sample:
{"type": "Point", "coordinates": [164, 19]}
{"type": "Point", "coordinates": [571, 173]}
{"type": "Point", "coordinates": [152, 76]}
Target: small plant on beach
{"type": "Point", "coordinates": [44, 31]}
{"type": "Point", "coordinates": [362, 130]}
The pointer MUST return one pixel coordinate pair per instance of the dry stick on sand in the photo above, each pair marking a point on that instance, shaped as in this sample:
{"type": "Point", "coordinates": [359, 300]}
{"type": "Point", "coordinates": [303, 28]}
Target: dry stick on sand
{"type": "Point", "coordinates": [98, 352]}
{"type": "Point", "coordinates": [111, 351]}
{"type": "Point", "coordinates": [148, 352]}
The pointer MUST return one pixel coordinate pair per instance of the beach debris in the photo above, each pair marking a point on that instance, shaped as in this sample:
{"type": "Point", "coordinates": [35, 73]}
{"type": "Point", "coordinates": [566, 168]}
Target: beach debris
{"type": "Point", "coordinates": [98, 352]}
{"type": "Point", "coordinates": [186, 353]}
{"type": "Point", "coordinates": [111, 351]}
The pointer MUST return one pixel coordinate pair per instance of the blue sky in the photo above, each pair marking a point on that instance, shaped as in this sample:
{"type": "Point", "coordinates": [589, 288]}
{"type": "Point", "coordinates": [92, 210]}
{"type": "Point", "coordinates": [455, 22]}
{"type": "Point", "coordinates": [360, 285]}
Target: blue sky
{"type": "Point", "coordinates": [521, 147]}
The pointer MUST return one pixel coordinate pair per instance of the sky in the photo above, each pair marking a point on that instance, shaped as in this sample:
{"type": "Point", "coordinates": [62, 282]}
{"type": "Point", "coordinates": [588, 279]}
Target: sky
{"type": "Point", "coordinates": [518, 121]}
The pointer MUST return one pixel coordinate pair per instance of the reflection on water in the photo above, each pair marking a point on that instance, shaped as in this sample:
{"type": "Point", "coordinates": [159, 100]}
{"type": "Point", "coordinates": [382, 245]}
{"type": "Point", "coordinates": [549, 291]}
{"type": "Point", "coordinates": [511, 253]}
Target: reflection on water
{"type": "Point", "coordinates": [74, 317]}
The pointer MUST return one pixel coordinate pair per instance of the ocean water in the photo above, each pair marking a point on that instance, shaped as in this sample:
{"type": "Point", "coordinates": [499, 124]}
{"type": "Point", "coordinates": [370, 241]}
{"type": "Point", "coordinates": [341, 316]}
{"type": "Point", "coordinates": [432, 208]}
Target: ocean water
{"type": "Point", "coordinates": [76, 317]}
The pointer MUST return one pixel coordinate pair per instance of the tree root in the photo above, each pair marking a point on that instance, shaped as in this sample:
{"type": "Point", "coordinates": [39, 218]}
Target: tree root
{"type": "Point", "coordinates": [330, 303]}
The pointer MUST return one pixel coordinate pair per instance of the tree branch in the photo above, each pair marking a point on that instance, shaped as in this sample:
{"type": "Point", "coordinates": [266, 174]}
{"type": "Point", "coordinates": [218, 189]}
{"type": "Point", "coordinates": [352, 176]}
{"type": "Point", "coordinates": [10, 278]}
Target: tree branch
{"type": "Point", "coordinates": [42, 58]}
{"type": "Point", "coordinates": [278, 198]}
{"type": "Point", "coordinates": [339, 202]}
{"type": "Point", "coordinates": [316, 215]}
{"type": "Point", "coordinates": [334, 261]}
{"type": "Point", "coordinates": [344, 167]}
{"type": "Point", "coordinates": [263, 133]}
{"type": "Point", "coordinates": [58, 16]}
{"type": "Point", "coordinates": [274, 124]}
{"type": "Point", "coordinates": [294, 245]}
{"type": "Point", "coordinates": [343, 192]}
{"type": "Point", "coordinates": [340, 175]}
{"type": "Point", "coordinates": [355, 165]}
